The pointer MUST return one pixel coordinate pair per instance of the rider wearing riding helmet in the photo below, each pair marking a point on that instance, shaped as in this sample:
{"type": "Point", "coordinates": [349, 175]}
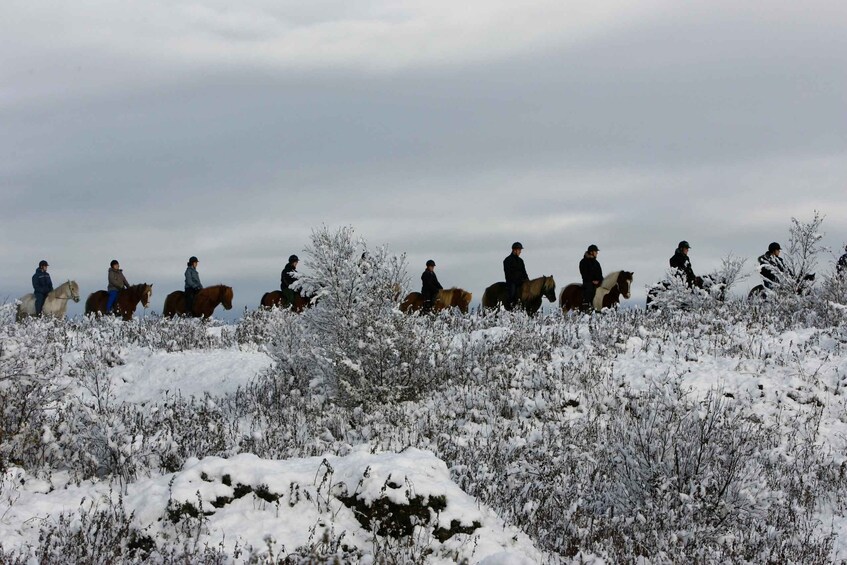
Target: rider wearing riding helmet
{"type": "Point", "coordinates": [592, 274]}
{"type": "Point", "coordinates": [117, 282]}
{"type": "Point", "coordinates": [771, 266]}
{"type": "Point", "coordinates": [515, 272]}
{"type": "Point", "coordinates": [287, 278]}
{"type": "Point", "coordinates": [430, 285]}
{"type": "Point", "coordinates": [42, 285]}
{"type": "Point", "coordinates": [682, 263]}
{"type": "Point", "coordinates": [192, 285]}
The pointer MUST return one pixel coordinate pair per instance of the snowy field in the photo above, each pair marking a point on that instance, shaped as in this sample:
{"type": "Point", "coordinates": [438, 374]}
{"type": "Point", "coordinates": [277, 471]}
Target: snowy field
{"type": "Point", "coordinates": [701, 431]}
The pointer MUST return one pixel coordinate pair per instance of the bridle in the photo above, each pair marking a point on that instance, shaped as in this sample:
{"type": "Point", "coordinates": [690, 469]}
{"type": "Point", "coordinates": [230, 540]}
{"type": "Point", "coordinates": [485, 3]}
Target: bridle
{"type": "Point", "coordinates": [74, 297]}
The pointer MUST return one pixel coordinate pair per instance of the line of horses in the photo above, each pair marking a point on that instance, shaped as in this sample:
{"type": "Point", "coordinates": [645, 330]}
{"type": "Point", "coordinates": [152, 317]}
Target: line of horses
{"type": "Point", "coordinates": [530, 297]}
{"type": "Point", "coordinates": [56, 303]}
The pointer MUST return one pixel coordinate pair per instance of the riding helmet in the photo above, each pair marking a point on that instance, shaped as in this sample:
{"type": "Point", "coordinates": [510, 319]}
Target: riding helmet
{"type": "Point", "coordinates": [430, 263]}
{"type": "Point", "coordinates": [114, 262]}
{"type": "Point", "coordinates": [43, 263]}
{"type": "Point", "coordinates": [517, 245]}
{"type": "Point", "coordinates": [683, 245]}
{"type": "Point", "coordinates": [293, 259]}
{"type": "Point", "coordinates": [593, 247]}
{"type": "Point", "coordinates": [193, 259]}
{"type": "Point", "coordinates": [774, 247]}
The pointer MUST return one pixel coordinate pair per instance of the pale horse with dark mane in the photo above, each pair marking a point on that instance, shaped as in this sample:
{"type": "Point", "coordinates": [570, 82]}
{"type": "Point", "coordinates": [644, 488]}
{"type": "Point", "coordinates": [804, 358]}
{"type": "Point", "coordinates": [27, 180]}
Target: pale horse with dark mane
{"type": "Point", "coordinates": [608, 294]}
{"type": "Point", "coordinates": [55, 305]}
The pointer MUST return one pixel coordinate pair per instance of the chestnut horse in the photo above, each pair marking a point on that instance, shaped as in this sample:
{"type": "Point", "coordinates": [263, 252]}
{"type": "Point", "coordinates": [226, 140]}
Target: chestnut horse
{"type": "Point", "coordinates": [529, 295]}
{"type": "Point", "coordinates": [276, 299]}
{"type": "Point", "coordinates": [204, 303]}
{"type": "Point", "coordinates": [446, 298]}
{"type": "Point", "coordinates": [608, 294]}
{"type": "Point", "coordinates": [55, 305]}
{"type": "Point", "coordinates": [125, 304]}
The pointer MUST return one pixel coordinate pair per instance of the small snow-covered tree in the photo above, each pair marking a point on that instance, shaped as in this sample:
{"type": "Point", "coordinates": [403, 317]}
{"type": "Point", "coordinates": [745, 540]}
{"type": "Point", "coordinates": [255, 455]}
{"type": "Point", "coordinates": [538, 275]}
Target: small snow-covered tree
{"type": "Point", "coordinates": [365, 348]}
{"type": "Point", "coordinates": [804, 248]}
{"type": "Point", "coordinates": [730, 272]}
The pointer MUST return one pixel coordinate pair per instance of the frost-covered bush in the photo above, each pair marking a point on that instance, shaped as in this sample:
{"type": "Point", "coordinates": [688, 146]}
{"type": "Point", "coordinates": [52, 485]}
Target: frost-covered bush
{"type": "Point", "coordinates": [679, 473]}
{"type": "Point", "coordinates": [363, 346]}
{"type": "Point", "coordinates": [30, 385]}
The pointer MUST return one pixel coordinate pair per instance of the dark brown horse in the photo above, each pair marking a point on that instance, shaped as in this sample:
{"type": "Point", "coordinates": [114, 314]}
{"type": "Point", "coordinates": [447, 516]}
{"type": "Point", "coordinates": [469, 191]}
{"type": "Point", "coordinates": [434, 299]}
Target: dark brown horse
{"type": "Point", "coordinates": [276, 299]}
{"type": "Point", "coordinates": [125, 304]}
{"type": "Point", "coordinates": [446, 298]}
{"type": "Point", "coordinates": [204, 303]}
{"type": "Point", "coordinates": [529, 295]}
{"type": "Point", "coordinates": [608, 294]}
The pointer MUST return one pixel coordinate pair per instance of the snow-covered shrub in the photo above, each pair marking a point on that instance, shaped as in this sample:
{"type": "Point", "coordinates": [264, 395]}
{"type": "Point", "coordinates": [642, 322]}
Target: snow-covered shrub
{"type": "Point", "coordinates": [30, 386]}
{"type": "Point", "coordinates": [673, 293]}
{"type": "Point", "coordinates": [365, 348]}
{"type": "Point", "coordinates": [7, 313]}
{"type": "Point", "coordinates": [680, 470]}
{"type": "Point", "coordinates": [804, 249]}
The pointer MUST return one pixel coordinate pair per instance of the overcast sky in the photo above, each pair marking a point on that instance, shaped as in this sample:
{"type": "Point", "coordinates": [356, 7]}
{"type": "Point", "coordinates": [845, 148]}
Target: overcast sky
{"type": "Point", "coordinates": [149, 131]}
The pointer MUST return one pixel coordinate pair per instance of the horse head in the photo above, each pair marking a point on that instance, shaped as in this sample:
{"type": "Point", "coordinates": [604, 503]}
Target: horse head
{"type": "Point", "coordinates": [548, 289]}
{"type": "Point", "coordinates": [226, 297]}
{"type": "Point", "coordinates": [146, 294]}
{"type": "Point", "coordinates": [74, 290]}
{"type": "Point", "coordinates": [462, 300]}
{"type": "Point", "coordinates": [625, 283]}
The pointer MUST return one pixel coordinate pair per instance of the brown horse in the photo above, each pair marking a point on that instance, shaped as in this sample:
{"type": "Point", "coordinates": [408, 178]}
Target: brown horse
{"type": "Point", "coordinates": [276, 299]}
{"type": "Point", "coordinates": [608, 294]}
{"type": "Point", "coordinates": [446, 298]}
{"type": "Point", "coordinates": [125, 304]}
{"type": "Point", "coordinates": [529, 296]}
{"type": "Point", "coordinates": [204, 303]}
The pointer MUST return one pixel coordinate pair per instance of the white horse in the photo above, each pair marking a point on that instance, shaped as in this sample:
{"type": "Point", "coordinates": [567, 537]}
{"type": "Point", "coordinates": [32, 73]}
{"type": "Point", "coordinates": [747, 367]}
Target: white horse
{"type": "Point", "coordinates": [56, 303]}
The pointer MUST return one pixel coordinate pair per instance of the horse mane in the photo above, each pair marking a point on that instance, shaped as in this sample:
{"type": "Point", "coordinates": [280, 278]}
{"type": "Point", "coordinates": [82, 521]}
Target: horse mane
{"type": "Point", "coordinates": [610, 280]}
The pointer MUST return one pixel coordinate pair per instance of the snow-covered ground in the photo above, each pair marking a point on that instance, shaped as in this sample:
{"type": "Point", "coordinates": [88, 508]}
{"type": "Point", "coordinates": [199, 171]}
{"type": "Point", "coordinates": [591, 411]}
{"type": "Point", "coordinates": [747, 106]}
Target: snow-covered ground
{"type": "Point", "coordinates": [719, 433]}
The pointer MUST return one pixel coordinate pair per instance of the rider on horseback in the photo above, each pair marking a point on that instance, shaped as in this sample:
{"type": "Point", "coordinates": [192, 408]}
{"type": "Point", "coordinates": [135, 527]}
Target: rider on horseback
{"type": "Point", "coordinates": [592, 275]}
{"type": "Point", "coordinates": [117, 282]}
{"type": "Point", "coordinates": [682, 263]}
{"type": "Point", "coordinates": [430, 287]}
{"type": "Point", "coordinates": [841, 266]}
{"type": "Point", "coordinates": [772, 267]}
{"type": "Point", "coordinates": [515, 272]}
{"type": "Point", "coordinates": [287, 278]}
{"type": "Point", "coordinates": [192, 285]}
{"type": "Point", "coordinates": [42, 285]}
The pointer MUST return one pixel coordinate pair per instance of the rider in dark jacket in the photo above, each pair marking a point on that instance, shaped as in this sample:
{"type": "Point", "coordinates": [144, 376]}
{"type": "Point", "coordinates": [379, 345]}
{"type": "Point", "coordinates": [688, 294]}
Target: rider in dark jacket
{"type": "Point", "coordinates": [515, 272]}
{"type": "Point", "coordinates": [682, 263]}
{"type": "Point", "coordinates": [591, 272]}
{"type": "Point", "coordinates": [841, 266]}
{"type": "Point", "coordinates": [772, 268]}
{"type": "Point", "coordinates": [42, 285]}
{"type": "Point", "coordinates": [287, 278]}
{"type": "Point", "coordinates": [430, 285]}
{"type": "Point", "coordinates": [192, 285]}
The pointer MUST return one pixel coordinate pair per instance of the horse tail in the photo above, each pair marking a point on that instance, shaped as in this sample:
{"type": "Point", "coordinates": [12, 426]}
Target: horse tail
{"type": "Point", "coordinates": [170, 308]}
{"type": "Point", "coordinates": [89, 304]}
{"type": "Point", "coordinates": [486, 299]}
